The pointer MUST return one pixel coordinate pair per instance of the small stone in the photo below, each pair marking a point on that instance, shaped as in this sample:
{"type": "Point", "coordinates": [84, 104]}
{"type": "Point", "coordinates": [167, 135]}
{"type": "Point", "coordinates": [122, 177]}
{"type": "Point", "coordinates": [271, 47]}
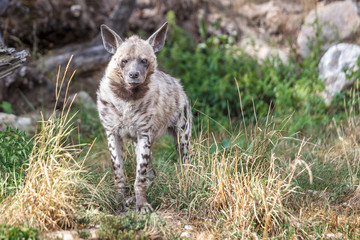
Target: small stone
{"type": "Point", "coordinates": [188, 227]}
{"type": "Point", "coordinates": [185, 235]}
{"type": "Point", "coordinates": [76, 10]}
{"type": "Point", "coordinates": [332, 236]}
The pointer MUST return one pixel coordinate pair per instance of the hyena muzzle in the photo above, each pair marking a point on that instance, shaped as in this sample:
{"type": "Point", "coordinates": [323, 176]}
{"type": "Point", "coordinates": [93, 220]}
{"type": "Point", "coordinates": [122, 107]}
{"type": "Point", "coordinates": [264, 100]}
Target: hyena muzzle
{"type": "Point", "coordinates": [137, 101]}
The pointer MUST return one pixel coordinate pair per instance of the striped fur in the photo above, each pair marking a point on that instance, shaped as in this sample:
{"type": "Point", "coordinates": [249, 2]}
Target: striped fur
{"type": "Point", "coordinates": [141, 109]}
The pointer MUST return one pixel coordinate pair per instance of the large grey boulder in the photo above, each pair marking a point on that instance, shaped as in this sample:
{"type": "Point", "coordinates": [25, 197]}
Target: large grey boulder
{"type": "Point", "coordinates": [336, 63]}
{"type": "Point", "coordinates": [336, 21]}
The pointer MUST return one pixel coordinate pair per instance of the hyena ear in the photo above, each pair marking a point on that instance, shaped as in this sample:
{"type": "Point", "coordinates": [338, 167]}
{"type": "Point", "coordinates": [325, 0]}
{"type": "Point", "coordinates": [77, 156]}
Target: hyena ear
{"type": "Point", "coordinates": [110, 39]}
{"type": "Point", "coordinates": [157, 40]}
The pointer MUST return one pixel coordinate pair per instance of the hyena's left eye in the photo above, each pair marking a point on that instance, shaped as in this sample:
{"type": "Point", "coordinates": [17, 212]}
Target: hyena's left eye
{"type": "Point", "coordinates": [144, 61]}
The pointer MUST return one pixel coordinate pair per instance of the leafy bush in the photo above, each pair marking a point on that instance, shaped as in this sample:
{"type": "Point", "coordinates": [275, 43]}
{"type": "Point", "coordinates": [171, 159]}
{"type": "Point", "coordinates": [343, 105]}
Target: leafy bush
{"type": "Point", "coordinates": [15, 148]}
{"type": "Point", "coordinates": [128, 227]}
{"type": "Point", "coordinates": [216, 73]}
{"type": "Point", "coordinates": [8, 232]}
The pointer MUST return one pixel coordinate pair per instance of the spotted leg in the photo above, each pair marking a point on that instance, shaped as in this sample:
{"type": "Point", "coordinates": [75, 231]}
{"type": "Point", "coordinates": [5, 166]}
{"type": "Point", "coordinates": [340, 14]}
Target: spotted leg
{"type": "Point", "coordinates": [142, 151]}
{"type": "Point", "coordinates": [116, 151]}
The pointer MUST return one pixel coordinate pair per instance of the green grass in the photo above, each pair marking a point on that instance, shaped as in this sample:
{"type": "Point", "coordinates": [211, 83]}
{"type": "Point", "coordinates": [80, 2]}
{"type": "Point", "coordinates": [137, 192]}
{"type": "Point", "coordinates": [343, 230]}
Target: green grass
{"type": "Point", "coordinates": [15, 149]}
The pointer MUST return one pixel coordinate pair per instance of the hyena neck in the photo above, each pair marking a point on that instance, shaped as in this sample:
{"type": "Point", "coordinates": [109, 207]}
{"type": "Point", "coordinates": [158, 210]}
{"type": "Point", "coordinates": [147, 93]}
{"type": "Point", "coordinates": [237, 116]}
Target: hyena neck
{"type": "Point", "coordinates": [119, 88]}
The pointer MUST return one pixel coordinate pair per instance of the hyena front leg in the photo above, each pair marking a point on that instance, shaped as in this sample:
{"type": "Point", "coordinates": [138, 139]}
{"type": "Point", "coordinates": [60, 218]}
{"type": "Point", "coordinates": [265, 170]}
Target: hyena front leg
{"type": "Point", "coordinates": [150, 176]}
{"type": "Point", "coordinates": [182, 134]}
{"type": "Point", "coordinates": [116, 151]}
{"type": "Point", "coordinates": [143, 152]}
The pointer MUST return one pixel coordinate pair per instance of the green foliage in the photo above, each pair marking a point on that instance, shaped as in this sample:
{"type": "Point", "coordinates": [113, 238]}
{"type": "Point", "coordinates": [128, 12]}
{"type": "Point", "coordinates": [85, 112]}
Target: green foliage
{"type": "Point", "coordinates": [13, 233]}
{"type": "Point", "coordinates": [84, 233]}
{"type": "Point", "coordinates": [125, 227]}
{"type": "Point", "coordinates": [15, 148]}
{"type": "Point", "coordinates": [216, 73]}
{"type": "Point", "coordinates": [6, 107]}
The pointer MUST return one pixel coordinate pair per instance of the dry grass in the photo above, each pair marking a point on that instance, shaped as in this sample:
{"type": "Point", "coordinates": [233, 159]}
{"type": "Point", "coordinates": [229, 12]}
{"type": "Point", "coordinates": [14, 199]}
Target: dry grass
{"type": "Point", "coordinates": [241, 188]}
{"type": "Point", "coordinates": [48, 198]}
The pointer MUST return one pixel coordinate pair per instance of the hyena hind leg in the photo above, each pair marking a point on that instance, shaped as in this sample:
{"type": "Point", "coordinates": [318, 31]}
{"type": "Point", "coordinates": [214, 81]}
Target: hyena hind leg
{"type": "Point", "coordinates": [182, 135]}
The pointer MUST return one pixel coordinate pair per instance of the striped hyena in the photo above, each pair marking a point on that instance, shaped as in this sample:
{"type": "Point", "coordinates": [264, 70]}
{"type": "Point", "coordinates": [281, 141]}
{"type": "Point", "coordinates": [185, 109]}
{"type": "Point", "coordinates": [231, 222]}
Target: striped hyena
{"type": "Point", "coordinates": [135, 100]}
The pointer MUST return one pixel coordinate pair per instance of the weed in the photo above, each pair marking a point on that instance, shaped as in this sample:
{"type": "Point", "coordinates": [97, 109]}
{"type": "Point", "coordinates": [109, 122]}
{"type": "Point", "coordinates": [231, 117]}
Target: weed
{"type": "Point", "coordinates": [84, 234]}
{"type": "Point", "coordinates": [8, 232]}
{"type": "Point", "coordinates": [6, 107]}
{"type": "Point", "coordinates": [15, 149]}
{"type": "Point", "coordinates": [130, 226]}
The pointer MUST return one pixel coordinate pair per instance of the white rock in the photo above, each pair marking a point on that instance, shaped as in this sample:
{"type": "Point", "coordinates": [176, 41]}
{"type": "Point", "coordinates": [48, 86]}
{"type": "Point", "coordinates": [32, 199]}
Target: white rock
{"type": "Point", "coordinates": [331, 67]}
{"type": "Point", "coordinates": [185, 235]}
{"type": "Point", "coordinates": [188, 227]}
{"type": "Point", "coordinates": [332, 236]}
{"type": "Point", "coordinates": [337, 21]}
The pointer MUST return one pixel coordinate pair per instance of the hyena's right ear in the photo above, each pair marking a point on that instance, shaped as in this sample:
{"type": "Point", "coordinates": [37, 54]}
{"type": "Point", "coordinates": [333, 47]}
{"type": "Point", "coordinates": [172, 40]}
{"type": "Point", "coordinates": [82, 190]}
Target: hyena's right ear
{"type": "Point", "coordinates": [110, 39]}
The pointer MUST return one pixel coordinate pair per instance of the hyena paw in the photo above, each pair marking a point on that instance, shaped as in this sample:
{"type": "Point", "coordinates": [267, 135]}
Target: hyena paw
{"type": "Point", "coordinates": [130, 201]}
{"type": "Point", "coordinates": [145, 208]}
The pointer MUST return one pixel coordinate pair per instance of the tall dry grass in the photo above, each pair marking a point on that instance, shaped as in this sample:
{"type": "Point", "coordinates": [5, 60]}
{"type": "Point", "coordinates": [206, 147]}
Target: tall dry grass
{"type": "Point", "coordinates": [243, 186]}
{"type": "Point", "coordinates": [50, 196]}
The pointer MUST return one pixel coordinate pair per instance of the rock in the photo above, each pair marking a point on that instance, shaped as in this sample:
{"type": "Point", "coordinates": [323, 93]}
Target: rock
{"type": "Point", "coordinates": [219, 25]}
{"type": "Point", "coordinates": [185, 235]}
{"type": "Point", "coordinates": [331, 67]}
{"type": "Point", "coordinates": [93, 233]}
{"type": "Point", "coordinates": [188, 227]}
{"type": "Point", "coordinates": [84, 100]}
{"type": "Point", "coordinates": [332, 236]}
{"type": "Point", "coordinates": [21, 123]}
{"type": "Point", "coordinates": [336, 21]}
{"type": "Point", "coordinates": [261, 50]}
{"type": "Point", "coordinates": [274, 17]}
{"type": "Point", "coordinates": [51, 24]}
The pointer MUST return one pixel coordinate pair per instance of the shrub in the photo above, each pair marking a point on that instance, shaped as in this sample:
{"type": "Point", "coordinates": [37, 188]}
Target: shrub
{"type": "Point", "coordinates": [8, 232]}
{"type": "Point", "coordinates": [215, 73]}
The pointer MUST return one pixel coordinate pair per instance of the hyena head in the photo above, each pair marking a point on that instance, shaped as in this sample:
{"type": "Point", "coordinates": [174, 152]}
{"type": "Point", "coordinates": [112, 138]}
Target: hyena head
{"type": "Point", "coordinates": [134, 59]}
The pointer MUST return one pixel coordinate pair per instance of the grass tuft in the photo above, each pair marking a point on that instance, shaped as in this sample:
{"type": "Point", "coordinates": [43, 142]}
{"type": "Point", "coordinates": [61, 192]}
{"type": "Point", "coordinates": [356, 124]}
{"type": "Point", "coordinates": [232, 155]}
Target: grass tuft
{"type": "Point", "coordinates": [241, 183]}
{"type": "Point", "coordinates": [48, 199]}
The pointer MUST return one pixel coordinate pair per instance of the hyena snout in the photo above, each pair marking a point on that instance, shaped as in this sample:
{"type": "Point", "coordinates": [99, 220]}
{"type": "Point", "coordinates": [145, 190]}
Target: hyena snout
{"type": "Point", "coordinates": [134, 75]}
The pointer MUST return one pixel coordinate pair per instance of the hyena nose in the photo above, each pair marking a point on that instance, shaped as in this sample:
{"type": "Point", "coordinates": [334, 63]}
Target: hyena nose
{"type": "Point", "coordinates": [134, 75]}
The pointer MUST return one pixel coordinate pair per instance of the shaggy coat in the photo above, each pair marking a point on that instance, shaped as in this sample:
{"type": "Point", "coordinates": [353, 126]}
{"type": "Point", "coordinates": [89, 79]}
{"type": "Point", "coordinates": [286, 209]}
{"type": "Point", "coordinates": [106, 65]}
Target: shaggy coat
{"type": "Point", "coordinates": [137, 101]}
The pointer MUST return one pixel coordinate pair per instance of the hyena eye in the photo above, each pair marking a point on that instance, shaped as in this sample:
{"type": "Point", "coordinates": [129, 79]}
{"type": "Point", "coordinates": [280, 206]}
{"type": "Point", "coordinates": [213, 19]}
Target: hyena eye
{"type": "Point", "coordinates": [144, 61]}
{"type": "Point", "coordinates": [124, 61]}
